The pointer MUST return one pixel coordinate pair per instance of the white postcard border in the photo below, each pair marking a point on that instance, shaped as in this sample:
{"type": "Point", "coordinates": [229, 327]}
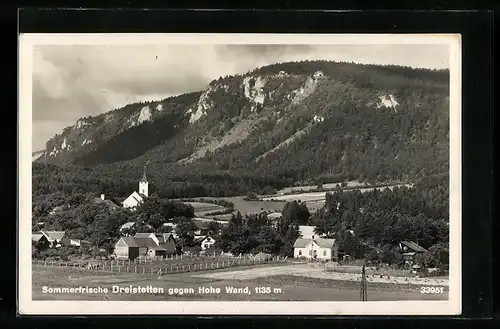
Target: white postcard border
{"type": "Point", "coordinates": [28, 307]}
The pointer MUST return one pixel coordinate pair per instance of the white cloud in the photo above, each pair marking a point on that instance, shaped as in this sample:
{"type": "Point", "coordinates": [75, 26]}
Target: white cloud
{"type": "Point", "coordinates": [70, 82]}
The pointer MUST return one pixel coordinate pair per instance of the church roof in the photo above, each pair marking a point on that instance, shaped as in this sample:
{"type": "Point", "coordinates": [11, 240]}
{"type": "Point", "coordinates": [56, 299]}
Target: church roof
{"type": "Point", "coordinates": [144, 179]}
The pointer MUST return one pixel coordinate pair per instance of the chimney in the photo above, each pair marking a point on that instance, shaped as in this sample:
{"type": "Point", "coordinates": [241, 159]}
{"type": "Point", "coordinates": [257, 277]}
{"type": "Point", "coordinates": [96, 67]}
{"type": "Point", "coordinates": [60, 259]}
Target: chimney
{"type": "Point", "coordinates": [102, 196]}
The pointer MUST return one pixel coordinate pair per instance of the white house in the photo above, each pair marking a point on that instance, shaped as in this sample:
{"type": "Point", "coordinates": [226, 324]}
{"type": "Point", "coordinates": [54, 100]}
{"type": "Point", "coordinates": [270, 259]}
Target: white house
{"type": "Point", "coordinates": [137, 198]}
{"type": "Point", "coordinates": [205, 241]}
{"type": "Point", "coordinates": [323, 249]}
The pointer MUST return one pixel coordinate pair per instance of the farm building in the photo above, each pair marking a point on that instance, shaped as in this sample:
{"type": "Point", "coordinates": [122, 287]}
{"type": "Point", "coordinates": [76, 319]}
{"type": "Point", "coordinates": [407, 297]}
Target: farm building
{"type": "Point", "coordinates": [149, 245]}
{"type": "Point", "coordinates": [56, 238]}
{"type": "Point", "coordinates": [127, 248]}
{"type": "Point", "coordinates": [205, 241]}
{"type": "Point", "coordinates": [167, 242]}
{"type": "Point", "coordinates": [40, 239]}
{"type": "Point", "coordinates": [409, 250]}
{"type": "Point", "coordinates": [324, 249]}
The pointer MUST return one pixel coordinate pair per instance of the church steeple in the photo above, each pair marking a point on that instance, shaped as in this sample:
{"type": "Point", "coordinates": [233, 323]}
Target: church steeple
{"type": "Point", "coordinates": [143, 183]}
{"type": "Point", "coordinates": [144, 179]}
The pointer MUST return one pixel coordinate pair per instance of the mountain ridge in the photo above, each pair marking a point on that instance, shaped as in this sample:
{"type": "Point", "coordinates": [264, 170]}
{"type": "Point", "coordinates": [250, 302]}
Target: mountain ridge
{"type": "Point", "coordinates": [296, 120]}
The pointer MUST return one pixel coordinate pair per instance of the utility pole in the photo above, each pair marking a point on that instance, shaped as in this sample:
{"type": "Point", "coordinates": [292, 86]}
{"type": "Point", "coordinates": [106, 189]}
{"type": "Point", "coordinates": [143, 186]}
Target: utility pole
{"type": "Point", "coordinates": [363, 292]}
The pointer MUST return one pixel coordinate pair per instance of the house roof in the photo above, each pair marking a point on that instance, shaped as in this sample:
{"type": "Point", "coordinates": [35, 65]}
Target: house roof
{"type": "Point", "coordinates": [130, 241]}
{"type": "Point", "coordinates": [274, 215]}
{"type": "Point", "coordinates": [413, 246]}
{"type": "Point", "coordinates": [53, 235]}
{"type": "Point", "coordinates": [199, 238]}
{"type": "Point", "coordinates": [107, 202]}
{"type": "Point", "coordinates": [323, 243]}
{"type": "Point", "coordinates": [36, 236]}
{"type": "Point", "coordinates": [143, 235]}
{"type": "Point", "coordinates": [139, 197]}
{"type": "Point", "coordinates": [127, 225]}
{"type": "Point", "coordinates": [111, 204]}
{"type": "Point", "coordinates": [146, 242]}
{"type": "Point", "coordinates": [163, 237]}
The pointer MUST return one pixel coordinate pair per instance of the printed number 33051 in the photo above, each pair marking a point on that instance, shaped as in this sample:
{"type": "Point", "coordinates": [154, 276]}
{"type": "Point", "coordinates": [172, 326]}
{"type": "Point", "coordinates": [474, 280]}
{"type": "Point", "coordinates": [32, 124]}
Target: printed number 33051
{"type": "Point", "coordinates": [431, 290]}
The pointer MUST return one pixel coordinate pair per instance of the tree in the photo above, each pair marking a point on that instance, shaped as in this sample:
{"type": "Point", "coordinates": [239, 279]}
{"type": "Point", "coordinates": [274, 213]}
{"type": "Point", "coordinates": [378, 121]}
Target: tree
{"type": "Point", "coordinates": [214, 227]}
{"type": "Point", "coordinates": [185, 231]}
{"type": "Point", "coordinates": [391, 256]}
{"type": "Point", "coordinates": [303, 215]}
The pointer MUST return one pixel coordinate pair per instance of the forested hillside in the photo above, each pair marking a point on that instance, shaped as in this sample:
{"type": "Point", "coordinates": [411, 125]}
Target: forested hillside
{"type": "Point", "coordinates": [260, 131]}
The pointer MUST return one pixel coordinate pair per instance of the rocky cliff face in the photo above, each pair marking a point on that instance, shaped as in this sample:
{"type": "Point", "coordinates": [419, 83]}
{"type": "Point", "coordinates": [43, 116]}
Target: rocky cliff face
{"type": "Point", "coordinates": [322, 115]}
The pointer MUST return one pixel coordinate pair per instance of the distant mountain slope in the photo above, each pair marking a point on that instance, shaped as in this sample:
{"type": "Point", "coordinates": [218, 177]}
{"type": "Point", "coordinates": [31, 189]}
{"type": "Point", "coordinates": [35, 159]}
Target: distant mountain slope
{"type": "Point", "coordinates": [294, 121]}
{"type": "Point", "coordinates": [36, 155]}
{"type": "Point", "coordinates": [92, 134]}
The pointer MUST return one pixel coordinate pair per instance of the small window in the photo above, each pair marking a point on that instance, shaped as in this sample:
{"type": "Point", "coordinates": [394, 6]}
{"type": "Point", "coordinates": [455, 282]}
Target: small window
{"type": "Point", "coordinates": [324, 252]}
{"type": "Point", "coordinates": [300, 252]}
{"type": "Point", "coordinates": [310, 252]}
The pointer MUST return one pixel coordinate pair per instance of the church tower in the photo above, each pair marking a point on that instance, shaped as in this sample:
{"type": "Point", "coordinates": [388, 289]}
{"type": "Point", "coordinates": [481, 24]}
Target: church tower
{"type": "Point", "coordinates": [143, 184]}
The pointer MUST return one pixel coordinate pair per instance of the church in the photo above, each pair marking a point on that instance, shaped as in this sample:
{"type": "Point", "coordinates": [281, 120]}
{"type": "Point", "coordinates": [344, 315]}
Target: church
{"type": "Point", "coordinates": [137, 198]}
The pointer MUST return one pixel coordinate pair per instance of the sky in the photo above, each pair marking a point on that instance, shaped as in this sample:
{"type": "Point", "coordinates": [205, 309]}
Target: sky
{"type": "Point", "coordinates": [70, 82]}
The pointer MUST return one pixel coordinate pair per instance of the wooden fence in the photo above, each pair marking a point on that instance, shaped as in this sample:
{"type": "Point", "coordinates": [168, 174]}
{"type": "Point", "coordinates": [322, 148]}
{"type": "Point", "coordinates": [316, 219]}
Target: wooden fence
{"type": "Point", "coordinates": [157, 268]}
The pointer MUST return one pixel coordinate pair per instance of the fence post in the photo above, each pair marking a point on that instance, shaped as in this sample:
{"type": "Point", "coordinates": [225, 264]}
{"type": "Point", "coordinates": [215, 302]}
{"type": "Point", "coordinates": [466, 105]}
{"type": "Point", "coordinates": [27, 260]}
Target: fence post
{"type": "Point", "coordinates": [189, 268]}
{"type": "Point", "coordinates": [119, 269]}
{"type": "Point", "coordinates": [151, 271]}
{"type": "Point", "coordinates": [177, 268]}
{"type": "Point", "coordinates": [135, 269]}
{"type": "Point", "coordinates": [143, 270]}
{"type": "Point", "coordinates": [182, 268]}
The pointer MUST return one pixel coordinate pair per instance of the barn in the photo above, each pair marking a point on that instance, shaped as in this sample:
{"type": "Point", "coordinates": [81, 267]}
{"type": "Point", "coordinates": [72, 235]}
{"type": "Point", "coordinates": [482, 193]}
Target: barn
{"type": "Point", "coordinates": [149, 245]}
{"type": "Point", "coordinates": [127, 248]}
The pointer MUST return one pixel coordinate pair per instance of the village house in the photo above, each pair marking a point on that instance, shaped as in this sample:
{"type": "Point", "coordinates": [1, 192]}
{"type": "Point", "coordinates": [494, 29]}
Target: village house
{"type": "Point", "coordinates": [145, 244]}
{"type": "Point", "coordinates": [102, 200]}
{"type": "Point", "coordinates": [126, 248]}
{"type": "Point", "coordinates": [56, 239]}
{"type": "Point", "coordinates": [167, 242]}
{"type": "Point", "coordinates": [409, 250]}
{"type": "Point", "coordinates": [149, 245]}
{"type": "Point", "coordinates": [205, 242]}
{"type": "Point", "coordinates": [40, 239]}
{"type": "Point", "coordinates": [316, 248]}
{"type": "Point", "coordinates": [136, 198]}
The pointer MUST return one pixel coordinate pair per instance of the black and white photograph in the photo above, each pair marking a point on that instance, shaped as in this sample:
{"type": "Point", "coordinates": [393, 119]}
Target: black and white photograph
{"type": "Point", "coordinates": [264, 174]}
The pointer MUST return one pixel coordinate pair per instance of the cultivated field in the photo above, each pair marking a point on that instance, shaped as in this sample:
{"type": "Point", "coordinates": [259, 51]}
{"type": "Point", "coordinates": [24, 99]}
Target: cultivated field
{"type": "Point", "coordinates": [248, 207]}
{"type": "Point", "coordinates": [311, 197]}
{"type": "Point", "coordinates": [201, 208]}
{"type": "Point", "coordinates": [305, 188]}
{"type": "Point", "coordinates": [284, 282]}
